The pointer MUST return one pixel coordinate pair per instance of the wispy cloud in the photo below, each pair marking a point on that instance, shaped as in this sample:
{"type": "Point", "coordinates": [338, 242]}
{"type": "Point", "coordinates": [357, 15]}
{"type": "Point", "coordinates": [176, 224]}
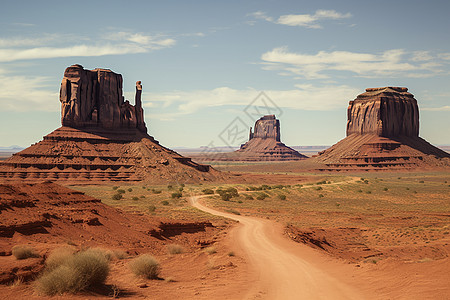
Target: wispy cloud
{"type": "Point", "coordinates": [305, 97]}
{"type": "Point", "coordinates": [395, 62]}
{"type": "Point", "coordinates": [49, 46]}
{"type": "Point", "coordinates": [26, 93]}
{"type": "Point", "coordinates": [442, 108]}
{"type": "Point", "coordinates": [302, 20]}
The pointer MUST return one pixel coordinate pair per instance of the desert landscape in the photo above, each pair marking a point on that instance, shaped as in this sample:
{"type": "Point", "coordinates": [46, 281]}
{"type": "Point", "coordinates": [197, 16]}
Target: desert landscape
{"type": "Point", "coordinates": [96, 207]}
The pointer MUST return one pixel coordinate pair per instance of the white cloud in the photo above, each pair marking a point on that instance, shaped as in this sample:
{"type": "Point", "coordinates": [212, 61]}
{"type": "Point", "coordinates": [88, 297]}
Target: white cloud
{"type": "Point", "coordinates": [421, 56]}
{"type": "Point", "coordinates": [23, 93]}
{"type": "Point", "coordinates": [49, 46]}
{"type": "Point", "coordinates": [443, 108]}
{"type": "Point", "coordinates": [7, 55]}
{"type": "Point", "coordinates": [303, 20]}
{"type": "Point", "coordinates": [305, 97]}
{"type": "Point", "coordinates": [150, 41]}
{"type": "Point", "coordinates": [260, 15]}
{"type": "Point", "coordinates": [395, 62]}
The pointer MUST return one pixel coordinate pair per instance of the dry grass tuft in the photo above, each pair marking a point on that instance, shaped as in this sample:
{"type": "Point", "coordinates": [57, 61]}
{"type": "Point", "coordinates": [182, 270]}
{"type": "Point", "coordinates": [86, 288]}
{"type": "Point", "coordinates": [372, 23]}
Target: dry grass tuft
{"type": "Point", "coordinates": [175, 249]}
{"type": "Point", "coordinates": [70, 273]}
{"type": "Point", "coordinates": [23, 252]}
{"type": "Point", "coordinates": [146, 266]}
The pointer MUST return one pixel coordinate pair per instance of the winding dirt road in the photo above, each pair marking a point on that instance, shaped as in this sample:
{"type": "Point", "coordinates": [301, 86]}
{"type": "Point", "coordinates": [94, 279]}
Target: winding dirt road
{"type": "Point", "coordinates": [280, 270]}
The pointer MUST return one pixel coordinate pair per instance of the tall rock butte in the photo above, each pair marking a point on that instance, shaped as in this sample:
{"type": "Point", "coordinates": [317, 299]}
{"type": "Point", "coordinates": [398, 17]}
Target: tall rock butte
{"type": "Point", "coordinates": [103, 138]}
{"type": "Point", "coordinates": [382, 132]}
{"type": "Point", "coordinates": [264, 144]}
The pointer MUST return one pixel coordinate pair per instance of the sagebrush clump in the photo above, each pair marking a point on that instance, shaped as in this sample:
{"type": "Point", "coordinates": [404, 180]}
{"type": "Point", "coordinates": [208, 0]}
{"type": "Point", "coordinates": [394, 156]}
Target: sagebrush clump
{"type": "Point", "coordinates": [23, 252]}
{"type": "Point", "coordinates": [146, 266]}
{"type": "Point", "coordinates": [73, 272]}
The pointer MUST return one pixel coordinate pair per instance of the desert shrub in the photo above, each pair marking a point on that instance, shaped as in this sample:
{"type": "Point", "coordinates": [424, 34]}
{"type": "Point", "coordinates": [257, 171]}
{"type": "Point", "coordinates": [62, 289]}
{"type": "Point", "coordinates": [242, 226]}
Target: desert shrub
{"type": "Point", "coordinates": [135, 198]}
{"type": "Point", "coordinates": [176, 195]}
{"type": "Point", "coordinates": [117, 196]}
{"type": "Point", "coordinates": [208, 191]}
{"type": "Point", "coordinates": [181, 189]}
{"type": "Point", "coordinates": [282, 197]}
{"type": "Point", "coordinates": [115, 187]}
{"type": "Point", "coordinates": [182, 185]}
{"type": "Point", "coordinates": [240, 201]}
{"type": "Point", "coordinates": [231, 253]}
{"type": "Point", "coordinates": [75, 273]}
{"type": "Point", "coordinates": [385, 189]}
{"type": "Point", "coordinates": [319, 188]}
{"type": "Point", "coordinates": [210, 250]}
{"type": "Point", "coordinates": [175, 249]}
{"type": "Point", "coordinates": [360, 191]}
{"type": "Point", "coordinates": [225, 197]}
{"type": "Point", "coordinates": [233, 211]}
{"type": "Point", "coordinates": [142, 196]}
{"type": "Point", "coordinates": [366, 181]}
{"type": "Point", "coordinates": [228, 193]}
{"type": "Point", "coordinates": [58, 256]}
{"type": "Point", "coordinates": [262, 196]}
{"type": "Point", "coordinates": [321, 195]}
{"type": "Point", "coordinates": [248, 197]}
{"type": "Point", "coordinates": [165, 202]}
{"type": "Point", "coordinates": [23, 252]}
{"type": "Point", "coordinates": [265, 187]}
{"type": "Point", "coordinates": [369, 192]}
{"type": "Point", "coordinates": [278, 186]}
{"type": "Point", "coordinates": [120, 191]}
{"type": "Point", "coordinates": [421, 181]}
{"type": "Point", "coordinates": [114, 254]}
{"type": "Point", "coordinates": [130, 190]}
{"type": "Point", "coordinates": [169, 187]}
{"type": "Point", "coordinates": [321, 182]}
{"type": "Point", "coordinates": [156, 191]}
{"type": "Point", "coordinates": [152, 208]}
{"type": "Point", "coordinates": [146, 266]}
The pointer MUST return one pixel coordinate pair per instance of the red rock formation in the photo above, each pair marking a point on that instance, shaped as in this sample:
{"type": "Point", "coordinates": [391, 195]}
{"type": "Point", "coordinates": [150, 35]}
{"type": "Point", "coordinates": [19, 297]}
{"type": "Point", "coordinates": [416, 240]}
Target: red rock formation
{"type": "Point", "coordinates": [94, 99]}
{"type": "Point", "coordinates": [383, 133]}
{"type": "Point", "coordinates": [103, 138]}
{"type": "Point", "coordinates": [264, 145]}
{"type": "Point", "coordinates": [388, 112]}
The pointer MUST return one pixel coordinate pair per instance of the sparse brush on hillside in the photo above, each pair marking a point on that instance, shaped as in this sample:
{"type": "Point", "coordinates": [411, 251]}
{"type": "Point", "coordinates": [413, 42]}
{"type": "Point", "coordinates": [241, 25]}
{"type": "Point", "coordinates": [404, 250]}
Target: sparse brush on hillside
{"type": "Point", "coordinates": [208, 191]}
{"type": "Point", "coordinates": [23, 252]}
{"type": "Point", "coordinates": [70, 273]}
{"type": "Point", "coordinates": [146, 266]}
{"type": "Point", "coordinates": [175, 249]}
{"type": "Point", "coordinates": [228, 193]}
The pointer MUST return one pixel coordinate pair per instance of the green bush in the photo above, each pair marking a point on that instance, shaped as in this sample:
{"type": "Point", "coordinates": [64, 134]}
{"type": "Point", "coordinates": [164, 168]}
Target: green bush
{"type": "Point", "coordinates": [152, 208]}
{"type": "Point", "coordinates": [165, 202]}
{"type": "Point", "coordinates": [319, 188]}
{"type": "Point", "coordinates": [228, 193]}
{"type": "Point", "coordinates": [248, 197]}
{"type": "Point", "coordinates": [321, 195]}
{"type": "Point", "coordinates": [130, 190]}
{"type": "Point", "coordinates": [208, 191]}
{"type": "Point", "coordinates": [385, 189]}
{"type": "Point", "coordinates": [156, 191]}
{"type": "Point", "coordinates": [121, 191]}
{"type": "Point", "coordinates": [282, 197]}
{"type": "Point", "coordinates": [262, 196]}
{"type": "Point", "coordinates": [73, 273]}
{"type": "Point", "coordinates": [23, 252]}
{"type": "Point", "coordinates": [177, 195]}
{"type": "Point", "coordinates": [135, 198]}
{"type": "Point", "coordinates": [117, 196]}
{"type": "Point", "coordinates": [146, 266]}
{"type": "Point", "coordinates": [115, 187]}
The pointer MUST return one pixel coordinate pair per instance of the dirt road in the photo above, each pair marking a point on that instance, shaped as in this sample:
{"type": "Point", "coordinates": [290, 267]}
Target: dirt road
{"type": "Point", "coordinates": [282, 268]}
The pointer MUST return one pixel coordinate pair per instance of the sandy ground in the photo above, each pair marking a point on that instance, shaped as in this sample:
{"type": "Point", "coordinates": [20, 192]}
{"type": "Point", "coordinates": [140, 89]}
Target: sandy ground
{"type": "Point", "coordinates": [282, 268]}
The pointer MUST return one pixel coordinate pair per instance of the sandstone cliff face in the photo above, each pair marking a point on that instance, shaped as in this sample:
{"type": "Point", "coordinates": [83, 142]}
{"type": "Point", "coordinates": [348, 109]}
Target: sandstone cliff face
{"type": "Point", "coordinates": [382, 133]}
{"type": "Point", "coordinates": [266, 127]}
{"type": "Point", "coordinates": [386, 112]}
{"type": "Point", "coordinates": [94, 98]}
{"type": "Point", "coordinates": [265, 144]}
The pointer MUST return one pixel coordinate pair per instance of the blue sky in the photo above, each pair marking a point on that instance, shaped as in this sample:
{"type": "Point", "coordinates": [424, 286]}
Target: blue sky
{"type": "Point", "coordinates": [202, 63]}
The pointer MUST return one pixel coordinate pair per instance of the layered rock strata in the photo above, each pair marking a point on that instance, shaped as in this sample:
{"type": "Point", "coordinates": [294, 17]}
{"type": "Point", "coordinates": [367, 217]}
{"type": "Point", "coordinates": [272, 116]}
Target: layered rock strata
{"type": "Point", "coordinates": [103, 138]}
{"type": "Point", "coordinates": [382, 133]}
{"type": "Point", "coordinates": [264, 144]}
